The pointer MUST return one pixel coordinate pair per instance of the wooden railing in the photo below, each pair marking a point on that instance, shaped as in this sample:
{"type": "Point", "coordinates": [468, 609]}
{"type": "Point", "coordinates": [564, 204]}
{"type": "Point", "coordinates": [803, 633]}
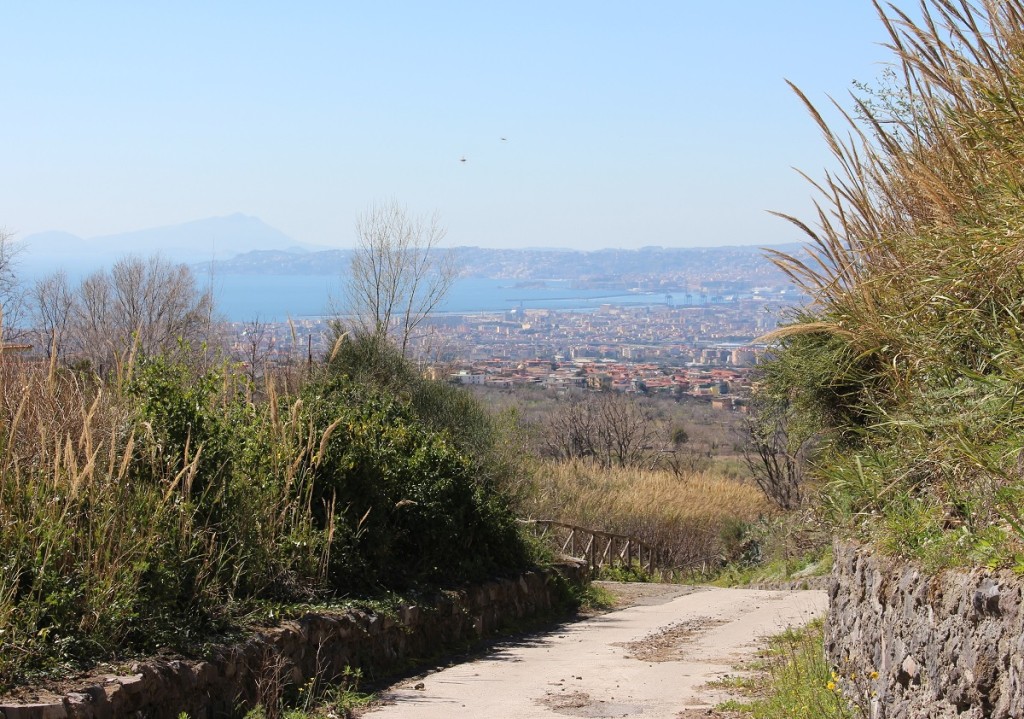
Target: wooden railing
{"type": "Point", "coordinates": [601, 549]}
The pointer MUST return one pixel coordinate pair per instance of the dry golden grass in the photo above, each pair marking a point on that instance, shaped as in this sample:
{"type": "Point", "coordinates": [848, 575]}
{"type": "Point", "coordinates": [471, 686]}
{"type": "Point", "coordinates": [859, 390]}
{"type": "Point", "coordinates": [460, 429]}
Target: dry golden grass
{"type": "Point", "coordinates": [925, 204]}
{"type": "Point", "coordinates": [684, 515]}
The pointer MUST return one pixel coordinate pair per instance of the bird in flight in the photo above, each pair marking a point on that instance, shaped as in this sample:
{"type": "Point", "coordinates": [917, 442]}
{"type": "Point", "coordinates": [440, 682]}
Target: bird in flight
{"type": "Point", "coordinates": [462, 159]}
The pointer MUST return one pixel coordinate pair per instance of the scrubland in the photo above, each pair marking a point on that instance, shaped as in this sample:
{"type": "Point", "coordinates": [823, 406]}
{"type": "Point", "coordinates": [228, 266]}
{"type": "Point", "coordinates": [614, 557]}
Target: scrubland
{"type": "Point", "coordinates": [166, 506]}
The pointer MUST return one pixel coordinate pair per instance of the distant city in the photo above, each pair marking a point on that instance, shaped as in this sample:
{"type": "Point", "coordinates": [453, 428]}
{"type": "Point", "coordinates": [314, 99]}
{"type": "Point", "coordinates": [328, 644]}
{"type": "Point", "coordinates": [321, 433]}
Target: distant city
{"type": "Point", "coordinates": [656, 319]}
{"type": "Point", "coordinates": [701, 341]}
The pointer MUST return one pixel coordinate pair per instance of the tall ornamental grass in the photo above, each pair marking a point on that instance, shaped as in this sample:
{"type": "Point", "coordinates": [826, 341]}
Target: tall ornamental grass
{"type": "Point", "coordinates": [115, 541]}
{"type": "Point", "coordinates": [908, 367]}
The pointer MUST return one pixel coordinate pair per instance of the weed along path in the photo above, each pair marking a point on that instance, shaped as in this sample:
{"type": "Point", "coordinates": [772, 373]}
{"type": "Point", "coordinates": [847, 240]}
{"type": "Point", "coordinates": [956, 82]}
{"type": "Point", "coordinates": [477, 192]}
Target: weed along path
{"type": "Point", "coordinates": [653, 659]}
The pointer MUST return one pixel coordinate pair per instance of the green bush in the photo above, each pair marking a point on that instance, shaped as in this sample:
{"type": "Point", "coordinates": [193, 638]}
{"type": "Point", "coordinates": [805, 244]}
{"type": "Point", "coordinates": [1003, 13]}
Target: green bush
{"type": "Point", "coordinates": [490, 442]}
{"type": "Point", "coordinates": [160, 511]}
{"type": "Point", "coordinates": [406, 504]}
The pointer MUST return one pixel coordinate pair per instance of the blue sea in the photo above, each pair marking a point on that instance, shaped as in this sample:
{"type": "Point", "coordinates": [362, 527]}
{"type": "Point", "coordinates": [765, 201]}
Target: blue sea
{"type": "Point", "coordinates": [275, 298]}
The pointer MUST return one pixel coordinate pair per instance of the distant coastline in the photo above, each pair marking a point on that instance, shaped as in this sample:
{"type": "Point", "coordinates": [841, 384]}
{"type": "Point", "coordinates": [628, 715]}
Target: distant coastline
{"type": "Point", "coordinates": [277, 284]}
{"type": "Point", "coordinates": [275, 298]}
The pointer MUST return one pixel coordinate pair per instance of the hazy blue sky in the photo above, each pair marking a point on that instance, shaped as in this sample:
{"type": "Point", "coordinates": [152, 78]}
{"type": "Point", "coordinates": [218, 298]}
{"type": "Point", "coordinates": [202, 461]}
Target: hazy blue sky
{"type": "Point", "coordinates": [627, 123]}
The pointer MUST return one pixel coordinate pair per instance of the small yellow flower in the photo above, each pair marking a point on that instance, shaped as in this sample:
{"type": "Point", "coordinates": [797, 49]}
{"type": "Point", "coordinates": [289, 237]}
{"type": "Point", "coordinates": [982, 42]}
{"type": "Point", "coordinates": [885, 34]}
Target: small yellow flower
{"type": "Point", "coordinates": [874, 675]}
{"type": "Point", "coordinates": [831, 686]}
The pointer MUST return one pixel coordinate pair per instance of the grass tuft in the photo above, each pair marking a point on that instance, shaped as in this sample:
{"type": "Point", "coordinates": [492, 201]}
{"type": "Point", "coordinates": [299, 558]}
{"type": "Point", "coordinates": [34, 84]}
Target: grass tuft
{"type": "Point", "coordinates": [794, 681]}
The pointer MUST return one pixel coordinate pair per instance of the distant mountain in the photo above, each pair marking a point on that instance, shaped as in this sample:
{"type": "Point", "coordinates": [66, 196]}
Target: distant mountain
{"type": "Point", "coordinates": [613, 268]}
{"type": "Point", "coordinates": [285, 262]}
{"type": "Point", "coordinates": [591, 265]}
{"type": "Point", "coordinates": [244, 245]}
{"type": "Point", "coordinates": [199, 241]}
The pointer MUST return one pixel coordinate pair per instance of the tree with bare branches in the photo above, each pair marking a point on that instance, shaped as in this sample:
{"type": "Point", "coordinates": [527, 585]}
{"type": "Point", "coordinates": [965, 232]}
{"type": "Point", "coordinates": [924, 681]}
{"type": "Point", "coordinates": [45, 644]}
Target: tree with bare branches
{"type": "Point", "coordinates": [255, 351]}
{"type": "Point", "coordinates": [399, 275]}
{"type": "Point", "coordinates": [775, 466]}
{"type": "Point", "coordinates": [146, 307]}
{"type": "Point", "coordinates": [52, 301]}
{"type": "Point", "coordinates": [12, 296]}
{"type": "Point", "coordinates": [609, 428]}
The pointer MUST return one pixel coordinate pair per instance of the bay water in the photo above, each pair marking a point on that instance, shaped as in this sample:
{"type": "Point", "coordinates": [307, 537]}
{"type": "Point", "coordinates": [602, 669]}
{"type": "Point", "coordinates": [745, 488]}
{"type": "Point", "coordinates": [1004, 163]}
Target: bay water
{"type": "Point", "coordinates": [276, 298]}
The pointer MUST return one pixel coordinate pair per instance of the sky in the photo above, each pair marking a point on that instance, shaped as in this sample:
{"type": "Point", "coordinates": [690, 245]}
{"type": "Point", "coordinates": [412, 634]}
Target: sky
{"type": "Point", "coordinates": [582, 124]}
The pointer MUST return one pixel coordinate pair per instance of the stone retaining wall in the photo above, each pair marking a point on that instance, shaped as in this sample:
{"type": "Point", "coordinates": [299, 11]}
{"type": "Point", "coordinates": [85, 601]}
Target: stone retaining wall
{"type": "Point", "coordinates": [232, 679]}
{"type": "Point", "coordinates": [911, 645]}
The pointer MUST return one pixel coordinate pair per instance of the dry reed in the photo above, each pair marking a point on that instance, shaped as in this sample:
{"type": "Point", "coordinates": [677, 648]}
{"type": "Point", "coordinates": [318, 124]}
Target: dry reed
{"type": "Point", "coordinates": [684, 515]}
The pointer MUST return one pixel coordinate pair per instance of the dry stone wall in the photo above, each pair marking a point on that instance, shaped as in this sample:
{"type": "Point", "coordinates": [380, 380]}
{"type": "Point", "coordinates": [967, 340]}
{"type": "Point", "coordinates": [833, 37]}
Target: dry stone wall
{"type": "Point", "coordinates": [231, 679]}
{"type": "Point", "coordinates": [912, 645]}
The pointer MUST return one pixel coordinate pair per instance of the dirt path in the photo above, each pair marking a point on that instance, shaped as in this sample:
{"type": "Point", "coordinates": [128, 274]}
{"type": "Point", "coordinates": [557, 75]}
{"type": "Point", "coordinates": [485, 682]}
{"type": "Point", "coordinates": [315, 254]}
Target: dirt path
{"type": "Point", "coordinates": [652, 659]}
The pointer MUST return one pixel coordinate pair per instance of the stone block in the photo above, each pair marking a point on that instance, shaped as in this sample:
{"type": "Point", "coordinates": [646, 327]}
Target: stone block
{"type": "Point", "coordinates": [986, 597]}
{"type": "Point", "coordinates": [411, 615]}
{"type": "Point", "coordinates": [78, 705]}
{"type": "Point", "coordinates": [37, 710]}
{"type": "Point", "coordinates": [101, 708]}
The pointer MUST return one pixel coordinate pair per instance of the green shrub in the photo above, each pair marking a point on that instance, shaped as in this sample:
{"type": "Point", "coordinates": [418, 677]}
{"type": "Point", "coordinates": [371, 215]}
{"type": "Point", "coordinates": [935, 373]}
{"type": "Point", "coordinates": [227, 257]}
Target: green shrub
{"type": "Point", "coordinates": [182, 423]}
{"type": "Point", "coordinates": [489, 441]}
{"type": "Point", "coordinates": [161, 512]}
{"type": "Point", "coordinates": [623, 573]}
{"type": "Point", "coordinates": [405, 500]}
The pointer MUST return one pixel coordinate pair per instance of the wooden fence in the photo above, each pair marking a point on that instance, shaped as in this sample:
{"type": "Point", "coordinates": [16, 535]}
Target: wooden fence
{"type": "Point", "coordinates": [601, 549]}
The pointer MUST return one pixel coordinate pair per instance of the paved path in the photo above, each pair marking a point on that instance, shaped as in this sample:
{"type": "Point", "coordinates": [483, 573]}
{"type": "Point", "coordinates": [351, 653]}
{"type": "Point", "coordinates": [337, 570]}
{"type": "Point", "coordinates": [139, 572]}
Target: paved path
{"type": "Point", "coordinates": [651, 660]}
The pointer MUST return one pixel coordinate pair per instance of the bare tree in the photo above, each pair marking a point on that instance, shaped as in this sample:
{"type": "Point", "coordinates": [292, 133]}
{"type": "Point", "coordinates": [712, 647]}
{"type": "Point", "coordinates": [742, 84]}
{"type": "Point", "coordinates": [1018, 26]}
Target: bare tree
{"type": "Point", "coordinates": [52, 302]}
{"type": "Point", "coordinates": [611, 429]}
{"type": "Point", "coordinates": [160, 301]}
{"type": "Point", "coordinates": [569, 431]}
{"type": "Point", "coordinates": [625, 430]}
{"type": "Point", "coordinates": [399, 275]}
{"type": "Point", "coordinates": [91, 327]}
{"type": "Point", "coordinates": [256, 348]}
{"type": "Point", "coordinates": [12, 296]}
{"type": "Point", "coordinates": [148, 307]}
{"type": "Point", "coordinates": [776, 467]}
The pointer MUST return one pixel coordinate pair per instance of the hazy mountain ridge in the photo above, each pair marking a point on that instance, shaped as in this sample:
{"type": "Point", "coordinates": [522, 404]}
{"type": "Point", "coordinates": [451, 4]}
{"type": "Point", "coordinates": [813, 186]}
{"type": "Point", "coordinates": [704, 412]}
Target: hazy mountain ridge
{"type": "Point", "coordinates": [198, 241]}
{"type": "Point", "coordinates": [244, 245]}
{"type": "Point", "coordinates": [285, 262]}
{"type": "Point", "coordinates": [540, 264]}
{"type": "Point", "coordinates": [614, 264]}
